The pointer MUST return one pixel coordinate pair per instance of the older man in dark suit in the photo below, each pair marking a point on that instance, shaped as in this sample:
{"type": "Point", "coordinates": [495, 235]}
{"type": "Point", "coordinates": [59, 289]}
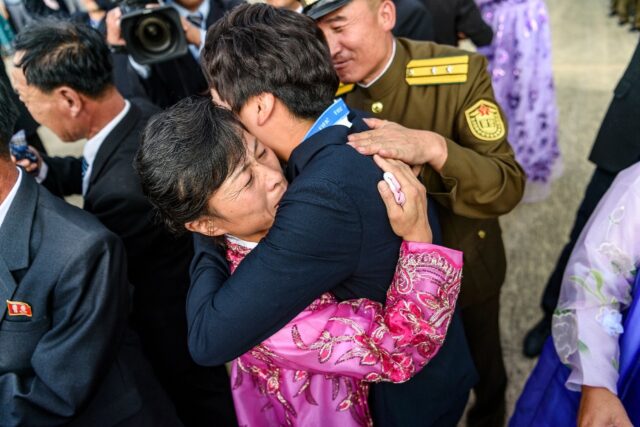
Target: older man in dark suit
{"type": "Point", "coordinates": [66, 83]}
{"type": "Point", "coordinates": [67, 355]}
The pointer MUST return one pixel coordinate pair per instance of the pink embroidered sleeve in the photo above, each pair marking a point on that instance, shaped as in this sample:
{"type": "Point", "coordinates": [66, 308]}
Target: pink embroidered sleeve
{"type": "Point", "coordinates": [361, 338]}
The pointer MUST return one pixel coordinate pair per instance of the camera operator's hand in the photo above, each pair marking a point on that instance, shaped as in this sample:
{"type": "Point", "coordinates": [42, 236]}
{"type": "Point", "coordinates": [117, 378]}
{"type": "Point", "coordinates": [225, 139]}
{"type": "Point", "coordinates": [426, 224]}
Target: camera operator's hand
{"type": "Point", "coordinates": [192, 33]}
{"type": "Point", "coordinates": [114, 35]}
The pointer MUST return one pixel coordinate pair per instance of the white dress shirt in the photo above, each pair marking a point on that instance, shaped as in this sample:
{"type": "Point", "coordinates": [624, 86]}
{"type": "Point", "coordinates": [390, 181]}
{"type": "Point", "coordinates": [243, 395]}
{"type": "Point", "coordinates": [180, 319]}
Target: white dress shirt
{"type": "Point", "coordinates": [93, 145]}
{"type": "Point", "coordinates": [6, 203]}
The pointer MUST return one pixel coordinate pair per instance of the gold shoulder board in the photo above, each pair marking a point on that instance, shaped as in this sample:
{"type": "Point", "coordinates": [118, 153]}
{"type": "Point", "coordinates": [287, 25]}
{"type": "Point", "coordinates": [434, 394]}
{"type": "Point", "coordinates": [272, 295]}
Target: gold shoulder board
{"type": "Point", "coordinates": [437, 71]}
{"type": "Point", "coordinates": [343, 88]}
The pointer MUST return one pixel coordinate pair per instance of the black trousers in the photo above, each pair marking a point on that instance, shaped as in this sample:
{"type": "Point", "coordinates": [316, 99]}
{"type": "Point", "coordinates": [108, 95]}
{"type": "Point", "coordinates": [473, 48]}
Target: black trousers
{"type": "Point", "coordinates": [201, 394]}
{"type": "Point", "coordinates": [599, 184]}
{"type": "Point", "coordinates": [481, 325]}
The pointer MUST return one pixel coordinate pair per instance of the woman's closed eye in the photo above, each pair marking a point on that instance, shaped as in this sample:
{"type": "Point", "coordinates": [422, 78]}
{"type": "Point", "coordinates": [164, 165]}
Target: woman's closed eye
{"type": "Point", "coordinates": [249, 181]}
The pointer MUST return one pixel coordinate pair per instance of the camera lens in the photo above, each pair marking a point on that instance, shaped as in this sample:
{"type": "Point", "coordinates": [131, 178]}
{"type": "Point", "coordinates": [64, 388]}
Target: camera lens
{"type": "Point", "coordinates": [154, 34]}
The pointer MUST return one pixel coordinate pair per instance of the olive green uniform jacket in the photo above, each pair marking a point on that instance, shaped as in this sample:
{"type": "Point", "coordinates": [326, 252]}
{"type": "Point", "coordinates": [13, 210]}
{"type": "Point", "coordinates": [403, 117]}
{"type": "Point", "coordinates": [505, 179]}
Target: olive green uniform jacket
{"type": "Point", "coordinates": [481, 179]}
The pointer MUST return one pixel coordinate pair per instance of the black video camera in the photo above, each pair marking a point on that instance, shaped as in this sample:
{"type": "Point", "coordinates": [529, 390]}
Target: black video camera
{"type": "Point", "coordinates": [152, 34]}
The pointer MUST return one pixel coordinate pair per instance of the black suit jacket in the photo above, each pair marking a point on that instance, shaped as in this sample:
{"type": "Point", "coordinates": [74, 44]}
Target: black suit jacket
{"type": "Point", "coordinates": [413, 21]}
{"type": "Point", "coordinates": [331, 233]}
{"type": "Point", "coordinates": [74, 361]}
{"type": "Point", "coordinates": [617, 145]}
{"type": "Point", "coordinates": [158, 262]}
{"type": "Point", "coordinates": [453, 16]}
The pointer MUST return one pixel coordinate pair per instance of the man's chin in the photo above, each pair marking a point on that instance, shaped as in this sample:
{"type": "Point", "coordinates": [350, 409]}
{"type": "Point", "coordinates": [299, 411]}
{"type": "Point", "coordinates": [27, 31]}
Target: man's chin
{"type": "Point", "coordinates": [347, 77]}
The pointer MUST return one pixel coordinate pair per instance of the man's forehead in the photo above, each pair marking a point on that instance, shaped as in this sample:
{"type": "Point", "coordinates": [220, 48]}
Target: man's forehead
{"type": "Point", "coordinates": [334, 17]}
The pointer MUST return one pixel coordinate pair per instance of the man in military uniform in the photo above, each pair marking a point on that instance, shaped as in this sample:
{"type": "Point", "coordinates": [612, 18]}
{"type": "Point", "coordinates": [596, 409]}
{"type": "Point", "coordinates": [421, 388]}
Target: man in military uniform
{"type": "Point", "coordinates": [450, 124]}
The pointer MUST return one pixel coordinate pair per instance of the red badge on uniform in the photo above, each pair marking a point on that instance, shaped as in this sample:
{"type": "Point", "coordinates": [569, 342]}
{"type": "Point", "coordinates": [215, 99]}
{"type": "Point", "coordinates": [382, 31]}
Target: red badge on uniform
{"type": "Point", "coordinates": [17, 308]}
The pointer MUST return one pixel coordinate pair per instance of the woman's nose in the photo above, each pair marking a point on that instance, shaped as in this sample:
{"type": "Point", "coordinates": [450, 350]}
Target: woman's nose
{"type": "Point", "coordinates": [272, 178]}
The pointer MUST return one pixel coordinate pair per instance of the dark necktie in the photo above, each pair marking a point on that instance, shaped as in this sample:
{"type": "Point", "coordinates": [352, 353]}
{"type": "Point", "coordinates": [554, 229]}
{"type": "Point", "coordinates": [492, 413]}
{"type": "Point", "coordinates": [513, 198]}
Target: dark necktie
{"type": "Point", "coordinates": [85, 166]}
{"type": "Point", "coordinates": [196, 19]}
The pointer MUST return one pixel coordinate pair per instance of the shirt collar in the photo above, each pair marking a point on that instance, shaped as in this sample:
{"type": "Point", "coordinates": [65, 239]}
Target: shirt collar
{"type": "Point", "coordinates": [390, 81]}
{"type": "Point", "coordinates": [203, 9]}
{"type": "Point", "coordinates": [6, 203]}
{"type": "Point", "coordinates": [386, 67]}
{"type": "Point", "coordinates": [92, 146]}
{"type": "Point", "coordinates": [332, 135]}
{"type": "Point", "coordinates": [240, 242]}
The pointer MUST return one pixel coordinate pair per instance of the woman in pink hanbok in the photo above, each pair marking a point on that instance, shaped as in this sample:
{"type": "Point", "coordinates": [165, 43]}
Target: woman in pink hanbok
{"type": "Point", "coordinates": [315, 371]}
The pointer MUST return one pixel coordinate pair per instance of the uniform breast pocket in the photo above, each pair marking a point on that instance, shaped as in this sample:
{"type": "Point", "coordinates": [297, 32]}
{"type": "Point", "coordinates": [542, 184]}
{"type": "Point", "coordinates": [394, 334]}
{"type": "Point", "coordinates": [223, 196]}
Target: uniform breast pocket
{"type": "Point", "coordinates": [18, 341]}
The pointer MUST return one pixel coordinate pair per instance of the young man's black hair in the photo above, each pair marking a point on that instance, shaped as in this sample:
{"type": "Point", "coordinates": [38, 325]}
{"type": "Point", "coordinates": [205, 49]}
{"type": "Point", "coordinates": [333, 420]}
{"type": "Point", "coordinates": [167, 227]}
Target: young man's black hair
{"type": "Point", "coordinates": [260, 49]}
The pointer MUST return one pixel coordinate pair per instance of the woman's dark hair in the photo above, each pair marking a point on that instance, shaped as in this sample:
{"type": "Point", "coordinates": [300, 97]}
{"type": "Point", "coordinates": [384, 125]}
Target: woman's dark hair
{"type": "Point", "coordinates": [64, 53]}
{"type": "Point", "coordinates": [8, 117]}
{"type": "Point", "coordinates": [258, 49]}
{"type": "Point", "coordinates": [186, 152]}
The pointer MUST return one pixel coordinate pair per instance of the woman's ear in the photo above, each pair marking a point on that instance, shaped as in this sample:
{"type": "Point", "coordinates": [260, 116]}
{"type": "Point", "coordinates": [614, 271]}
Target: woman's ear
{"type": "Point", "coordinates": [206, 226]}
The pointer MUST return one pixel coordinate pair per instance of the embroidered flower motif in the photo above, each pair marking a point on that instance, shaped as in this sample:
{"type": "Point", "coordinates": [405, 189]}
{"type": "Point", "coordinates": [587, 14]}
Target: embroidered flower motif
{"type": "Point", "coordinates": [611, 321]}
{"type": "Point", "coordinates": [564, 330]}
{"type": "Point", "coordinates": [393, 341]}
{"type": "Point", "coordinates": [617, 215]}
{"type": "Point", "coordinates": [621, 263]}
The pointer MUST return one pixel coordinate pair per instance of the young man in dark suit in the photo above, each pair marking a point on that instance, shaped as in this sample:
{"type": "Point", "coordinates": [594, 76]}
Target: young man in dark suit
{"type": "Point", "coordinates": [272, 67]}
{"type": "Point", "coordinates": [68, 355]}
{"type": "Point", "coordinates": [66, 83]}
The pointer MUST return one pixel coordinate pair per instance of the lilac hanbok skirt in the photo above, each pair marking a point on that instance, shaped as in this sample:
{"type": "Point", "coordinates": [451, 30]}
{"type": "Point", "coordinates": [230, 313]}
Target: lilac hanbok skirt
{"type": "Point", "coordinates": [522, 77]}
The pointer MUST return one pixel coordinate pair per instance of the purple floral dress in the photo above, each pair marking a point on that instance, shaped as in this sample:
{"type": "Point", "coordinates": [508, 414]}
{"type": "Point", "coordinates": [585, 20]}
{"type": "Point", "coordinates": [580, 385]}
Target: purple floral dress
{"type": "Point", "coordinates": [520, 68]}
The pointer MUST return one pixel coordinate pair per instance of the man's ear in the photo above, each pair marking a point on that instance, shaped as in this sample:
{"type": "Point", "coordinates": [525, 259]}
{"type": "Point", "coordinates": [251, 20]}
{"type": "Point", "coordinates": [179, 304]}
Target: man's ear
{"type": "Point", "coordinates": [206, 226]}
{"type": "Point", "coordinates": [387, 15]}
{"type": "Point", "coordinates": [70, 100]}
{"type": "Point", "coordinates": [265, 104]}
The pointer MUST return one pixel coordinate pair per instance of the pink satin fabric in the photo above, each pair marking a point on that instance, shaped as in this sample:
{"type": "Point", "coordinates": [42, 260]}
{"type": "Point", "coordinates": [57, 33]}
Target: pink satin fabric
{"type": "Point", "coordinates": [315, 371]}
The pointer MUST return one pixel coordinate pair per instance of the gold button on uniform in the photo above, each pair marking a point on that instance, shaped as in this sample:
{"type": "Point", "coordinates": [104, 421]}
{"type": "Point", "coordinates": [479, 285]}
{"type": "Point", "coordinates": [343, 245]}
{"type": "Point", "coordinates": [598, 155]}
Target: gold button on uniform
{"type": "Point", "coordinates": [377, 107]}
{"type": "Point", "coordinates": [482, 234]}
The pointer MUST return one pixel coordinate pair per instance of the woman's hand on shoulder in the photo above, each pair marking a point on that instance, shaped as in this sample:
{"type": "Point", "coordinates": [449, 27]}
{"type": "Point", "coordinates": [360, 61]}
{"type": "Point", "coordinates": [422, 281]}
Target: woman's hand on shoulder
{"type": "Point", "coordinates": [408, 219]}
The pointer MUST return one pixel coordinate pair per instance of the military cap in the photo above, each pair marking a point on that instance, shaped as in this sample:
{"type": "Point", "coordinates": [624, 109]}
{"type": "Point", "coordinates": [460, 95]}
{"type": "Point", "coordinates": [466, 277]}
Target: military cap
{"type": "Point", "coordinates": [316, 9]}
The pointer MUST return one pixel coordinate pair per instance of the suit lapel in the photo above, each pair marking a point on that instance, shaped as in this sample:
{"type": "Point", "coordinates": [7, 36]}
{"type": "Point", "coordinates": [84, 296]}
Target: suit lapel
{"type": "Point", "coordinates": [113, 140]}
{"type": "Point", "coordinates": [15, 236]}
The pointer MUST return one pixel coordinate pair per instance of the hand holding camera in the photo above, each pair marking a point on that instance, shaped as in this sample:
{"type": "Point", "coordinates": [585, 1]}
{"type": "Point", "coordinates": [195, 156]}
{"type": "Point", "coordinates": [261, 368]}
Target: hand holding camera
{"type": "Point", "coordinates": [151, 33]}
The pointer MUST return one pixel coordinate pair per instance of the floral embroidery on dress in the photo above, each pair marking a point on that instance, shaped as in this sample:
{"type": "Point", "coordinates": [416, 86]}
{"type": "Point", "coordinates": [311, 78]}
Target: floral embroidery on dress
{"type": "Point", "coordinates": [611, 321]}
{"type": "Point", "coordinates": [597, 287]}
{"type": "Point", "coordinates": [359, 340]}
